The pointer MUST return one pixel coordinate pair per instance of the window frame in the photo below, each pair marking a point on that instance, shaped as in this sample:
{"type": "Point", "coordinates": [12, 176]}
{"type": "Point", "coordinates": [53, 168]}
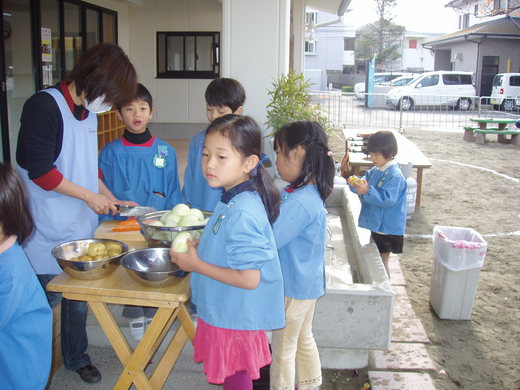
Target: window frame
{"type": "Point", "coordinates": [187, 74]}
{"type": "Point", "coordinates": [307, 44]}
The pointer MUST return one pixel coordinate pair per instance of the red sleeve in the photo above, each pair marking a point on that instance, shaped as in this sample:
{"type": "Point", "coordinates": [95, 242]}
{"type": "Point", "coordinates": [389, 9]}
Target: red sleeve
{"type": "Point", "coordinates": [50, 180]}
{"type": "Point", "coordinates": [100, 174]}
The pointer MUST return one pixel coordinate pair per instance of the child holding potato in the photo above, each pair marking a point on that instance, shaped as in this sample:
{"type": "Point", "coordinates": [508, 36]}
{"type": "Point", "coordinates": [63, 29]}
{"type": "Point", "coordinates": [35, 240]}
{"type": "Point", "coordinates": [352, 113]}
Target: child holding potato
{"type": "Point", "coordinates": [382, 192]}
{"type": "Point", "coordinates": [237, 280]}
{"type": "Point", "coordinates": [304, 160]}
{"type": "Point", "coordinates": [26, 317]}
{"type": "Point", "coordinates": [143, 169]}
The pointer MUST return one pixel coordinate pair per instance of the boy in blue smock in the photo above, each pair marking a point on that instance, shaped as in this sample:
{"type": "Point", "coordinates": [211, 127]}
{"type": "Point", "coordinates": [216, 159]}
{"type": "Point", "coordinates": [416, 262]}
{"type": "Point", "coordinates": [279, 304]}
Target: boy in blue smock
{"type": "Point", "coordinates": [382, 192]}
{"type": "Point", "coordinates": [143, 169]}
{"type": "Point", "coordinates": [223, 96]}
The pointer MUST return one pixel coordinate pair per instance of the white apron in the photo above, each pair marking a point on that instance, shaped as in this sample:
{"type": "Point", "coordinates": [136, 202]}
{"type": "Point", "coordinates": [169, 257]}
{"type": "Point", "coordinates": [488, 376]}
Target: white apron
{"type": "Point", "coordinates": [59, 218]}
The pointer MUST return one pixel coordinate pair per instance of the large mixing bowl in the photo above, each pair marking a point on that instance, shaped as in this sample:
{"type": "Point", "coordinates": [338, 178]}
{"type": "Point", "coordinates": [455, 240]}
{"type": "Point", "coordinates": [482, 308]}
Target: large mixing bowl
{"type": "Point", "coordinates": [165, 234]}
{"type": "Point", "coordinates": [86, 270]}
{"type": "Point", "coordinates": [152, 267]}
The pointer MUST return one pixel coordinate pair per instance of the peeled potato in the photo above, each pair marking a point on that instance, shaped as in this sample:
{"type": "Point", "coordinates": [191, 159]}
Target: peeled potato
{"type": "Point", "coordinates": [85, 258]}
{"type": "Point", "coordinates": [112, 246]}
{"type": "Point", "coordinates": [99, 257]}
{"type": "Point", "coordinates": [181, 209]}
{"type": "Point", "coordinates": [180, 244]}
{"type": "Point", "coordinates": [355, 180]}
{"type": "Point", "coordinates": [96, 248]}
{"type": "Point", "coordinates": [114, 252]}
{"type": "Point", "coordinates": [197, 213]}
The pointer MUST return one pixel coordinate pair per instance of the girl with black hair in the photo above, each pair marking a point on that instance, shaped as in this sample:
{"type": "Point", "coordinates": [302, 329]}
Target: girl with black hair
{"type": "Point", "coordinates": [237, 280]}
{"type": "Point", "coordinates": [304, 160]}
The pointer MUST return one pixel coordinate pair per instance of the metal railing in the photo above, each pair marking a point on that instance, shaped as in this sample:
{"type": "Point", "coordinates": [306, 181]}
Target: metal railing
{"type": "Point", "coordinates": [426, 111]}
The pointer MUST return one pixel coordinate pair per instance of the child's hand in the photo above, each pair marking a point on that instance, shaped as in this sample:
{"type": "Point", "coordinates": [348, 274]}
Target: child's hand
{"type": "Point", "coordinates": [187, 261]}
{"type": "Point", "coordinates": [355, 181]}
{"type": "Point", "coordinates": [362, 188]}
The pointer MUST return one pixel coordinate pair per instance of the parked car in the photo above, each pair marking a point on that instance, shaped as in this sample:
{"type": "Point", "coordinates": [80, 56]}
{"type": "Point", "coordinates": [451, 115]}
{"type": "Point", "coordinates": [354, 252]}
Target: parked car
{"type": "Point", "coordinates": [505, 94]}
{"type": "Point", "coordinates": [439, 88]}
{"type": "Point", "coordinates": [379, 79]}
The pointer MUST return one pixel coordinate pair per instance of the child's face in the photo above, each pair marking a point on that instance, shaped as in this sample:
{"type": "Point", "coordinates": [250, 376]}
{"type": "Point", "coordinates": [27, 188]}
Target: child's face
{"type": "Point", "coordinates": [378, 159]}
{"type": "Point", "coordinates": [290, 165]}
{"type": "Point", "coordinates": [222, 165]}
{"type": "Point", "coordinates": [214, 112]}
{"type": "Point", "coordinates": [136, 116]}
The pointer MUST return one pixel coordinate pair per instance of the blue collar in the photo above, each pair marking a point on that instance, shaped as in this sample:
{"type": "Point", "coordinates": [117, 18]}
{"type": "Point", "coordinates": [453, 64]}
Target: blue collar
{"type": "Point", "coordinates": [229, 194]}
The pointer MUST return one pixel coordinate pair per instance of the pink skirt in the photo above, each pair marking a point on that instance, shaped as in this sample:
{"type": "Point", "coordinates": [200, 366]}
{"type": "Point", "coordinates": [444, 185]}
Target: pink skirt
{"type": "Point", "coordinates": [226, 351]}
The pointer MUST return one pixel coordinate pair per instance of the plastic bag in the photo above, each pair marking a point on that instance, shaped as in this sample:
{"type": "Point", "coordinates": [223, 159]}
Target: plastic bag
{"type": "Point", "coordinates": [458, 249]}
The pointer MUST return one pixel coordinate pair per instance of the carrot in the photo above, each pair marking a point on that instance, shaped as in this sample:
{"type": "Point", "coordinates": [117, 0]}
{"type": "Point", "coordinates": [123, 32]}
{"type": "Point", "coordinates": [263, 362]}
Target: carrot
{"type": "Point", "coordinates": [125, 228]}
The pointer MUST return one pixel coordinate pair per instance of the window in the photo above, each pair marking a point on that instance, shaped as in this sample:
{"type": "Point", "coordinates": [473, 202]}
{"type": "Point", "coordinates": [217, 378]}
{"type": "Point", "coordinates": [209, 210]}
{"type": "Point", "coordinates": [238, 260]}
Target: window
{"type": "Point", "coordinates": [464, 21]}
{"type": "Point", "coordinates": [188, 55]}
{"type": "Point", "coordinates": [348, 69]}
{"type": "Point", "coordinates": [429, 81]}
{"type": "Point", "coordinates": [514, 81]}
{"type": "Point", "coordinates": [310, 47]}
{"type": "Point", "coordinates": [349, 44]}
{"type": "Point", "coordinates": [412, 44]}
{"type": "Point", "coordinates": [311, 17]}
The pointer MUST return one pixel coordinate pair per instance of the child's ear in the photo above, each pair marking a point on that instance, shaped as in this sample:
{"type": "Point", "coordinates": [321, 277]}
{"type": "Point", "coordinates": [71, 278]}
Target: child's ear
{"type": "Point", "coordinates": [299, 152]}
{"type": "Point", "coordinates": [239, 111]}
{"type": "Point", "coordinates": [251, 162]}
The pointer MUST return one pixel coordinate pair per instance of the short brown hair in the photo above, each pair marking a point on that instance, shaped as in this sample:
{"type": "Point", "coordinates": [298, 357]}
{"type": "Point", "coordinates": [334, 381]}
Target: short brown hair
{"type": "Point", "coordinates": [15, 214]}
{"type": "Point", "coordinates": [105, 69]}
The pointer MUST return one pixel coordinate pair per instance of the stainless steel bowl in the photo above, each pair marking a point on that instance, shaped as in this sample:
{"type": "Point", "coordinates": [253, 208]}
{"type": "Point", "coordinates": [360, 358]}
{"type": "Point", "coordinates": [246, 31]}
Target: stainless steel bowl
{"type": "Point", "coordinates": [86, 270]}
{"type": "Point", "coordinates": [164, 234]}
{"type": "Point", "coordinates": [152, 266]}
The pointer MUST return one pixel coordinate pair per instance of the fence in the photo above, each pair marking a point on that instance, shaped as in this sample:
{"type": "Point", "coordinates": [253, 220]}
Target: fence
{"type": "Point", "coordinates": [425, 111]}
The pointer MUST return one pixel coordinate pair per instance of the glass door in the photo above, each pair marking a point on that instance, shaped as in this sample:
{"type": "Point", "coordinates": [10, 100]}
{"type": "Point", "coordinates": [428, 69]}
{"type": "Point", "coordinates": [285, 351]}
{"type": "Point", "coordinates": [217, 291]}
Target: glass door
{"type": "Point", "coordinates": [18, 82]}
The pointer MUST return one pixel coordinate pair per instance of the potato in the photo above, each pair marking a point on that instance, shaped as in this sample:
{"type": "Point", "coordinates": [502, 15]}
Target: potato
{"type": "Point", "coordinates": [85, 258]}
{"type": "Point", "coordinates": [189, 220]}
{"type": "Point", "coordinates": [181, 209]}
{"type": "Point", "coordinates": [96, 248]}
{"type": "Point", "coordinates": [197, 213]}
{"type": "Point", "coordinates": [110, 245]}
{"type": "Point", "coordinates": [99, 257]}
{"type": "Point", "coordinates": [172, 220]}
{"type": "Point", "coordinates": [180, 244]}
{"type": "Point", "coordinates": [114, 252]}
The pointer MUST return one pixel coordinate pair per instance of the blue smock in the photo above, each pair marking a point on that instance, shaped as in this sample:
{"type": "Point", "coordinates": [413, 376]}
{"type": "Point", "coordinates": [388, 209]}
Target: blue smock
{"type": "Point", "coordinates": [196, 192]}
{"type": "Point", "coordinates": [130, 173]}
{"type": "Point", "coordinates": [300, 233]}
{"type": "Point", "coordinates": [383, 207]}
{"type": "Point", "coordinates": [59, 218]}
{"type": "Point", "coordinates": [25, 324]}
{"type": "Point", "coordinates": [239, 236]}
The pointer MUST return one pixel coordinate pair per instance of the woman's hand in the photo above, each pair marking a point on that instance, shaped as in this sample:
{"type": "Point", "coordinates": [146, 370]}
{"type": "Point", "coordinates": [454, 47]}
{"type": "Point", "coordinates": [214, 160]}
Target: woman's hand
{"type": "Point", "coordinates": [100, 204]}
{"type": "Point", "coordinates": [188, 261]}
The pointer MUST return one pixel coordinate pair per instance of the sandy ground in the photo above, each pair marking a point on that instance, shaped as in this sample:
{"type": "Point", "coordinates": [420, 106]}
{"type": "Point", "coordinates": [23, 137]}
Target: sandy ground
{"type": "Point", "coordinates": [473, 186]}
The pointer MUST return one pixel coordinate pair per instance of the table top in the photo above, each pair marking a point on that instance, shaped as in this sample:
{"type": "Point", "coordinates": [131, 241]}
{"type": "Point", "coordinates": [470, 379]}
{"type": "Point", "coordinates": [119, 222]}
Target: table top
{"type": "Point", "coordinates": [493, 120]}
{"type": "Point", "coordinates": [120, 285]}
{"type": "Point", "coordinates": [408, 152]}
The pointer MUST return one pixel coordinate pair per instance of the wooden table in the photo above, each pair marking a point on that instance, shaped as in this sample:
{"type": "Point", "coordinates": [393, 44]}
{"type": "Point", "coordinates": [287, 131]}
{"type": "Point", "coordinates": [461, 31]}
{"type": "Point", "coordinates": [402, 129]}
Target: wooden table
{"type": "Point", "coordinates": [408, 152]}
{"type": "Point", "coordinates": [494, 126]}
{"type": "Point", "coordinates": [120, 288]}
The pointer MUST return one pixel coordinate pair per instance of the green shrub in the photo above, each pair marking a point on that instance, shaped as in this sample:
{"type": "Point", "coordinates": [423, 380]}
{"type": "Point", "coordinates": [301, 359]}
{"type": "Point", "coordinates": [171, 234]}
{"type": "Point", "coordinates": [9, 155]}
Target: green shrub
{"type": "Point", "coordinates": [291, 101]}
{"type": "Point", "coordinates": [347, 88]}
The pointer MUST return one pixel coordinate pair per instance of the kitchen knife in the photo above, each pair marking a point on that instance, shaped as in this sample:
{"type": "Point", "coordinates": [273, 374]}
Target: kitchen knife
{"type": "Point", "coordinates": [134, 211]}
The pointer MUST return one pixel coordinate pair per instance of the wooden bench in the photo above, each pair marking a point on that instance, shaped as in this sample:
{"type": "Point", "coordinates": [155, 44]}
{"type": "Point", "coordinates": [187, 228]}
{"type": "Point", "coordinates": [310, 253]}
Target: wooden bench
{"type": "Point", "coordinates": [481, 136]}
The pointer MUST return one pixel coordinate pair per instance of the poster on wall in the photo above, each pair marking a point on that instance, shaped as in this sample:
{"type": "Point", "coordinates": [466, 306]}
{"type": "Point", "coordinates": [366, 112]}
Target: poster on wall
{"type": "Point", "coordinates": [46, 45]}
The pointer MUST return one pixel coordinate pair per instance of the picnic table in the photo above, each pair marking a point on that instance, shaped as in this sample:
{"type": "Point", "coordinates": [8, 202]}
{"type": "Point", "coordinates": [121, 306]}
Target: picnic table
{"type": "Point", "coordinates": [408, 152]}
{"type": "Point", "coordinates": [491, 126]}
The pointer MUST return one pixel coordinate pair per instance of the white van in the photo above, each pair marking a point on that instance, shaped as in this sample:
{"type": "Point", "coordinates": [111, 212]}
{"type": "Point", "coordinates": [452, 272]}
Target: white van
{"type": "Point", "coordinates": [440, 88]}
{"type": "Point", "coordinates": [379, 79]}
{"type": "Point", "coordinates": [505, 93]}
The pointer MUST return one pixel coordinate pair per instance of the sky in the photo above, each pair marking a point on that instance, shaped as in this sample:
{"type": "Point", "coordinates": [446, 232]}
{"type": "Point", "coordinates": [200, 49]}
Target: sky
{"type": "Point", "coordinates": [415, 15]}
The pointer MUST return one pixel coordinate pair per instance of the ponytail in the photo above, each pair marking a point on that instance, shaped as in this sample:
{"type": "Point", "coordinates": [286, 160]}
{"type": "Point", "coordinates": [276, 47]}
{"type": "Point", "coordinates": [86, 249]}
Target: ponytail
{"type": "Point", "coordinates": [270, 196]}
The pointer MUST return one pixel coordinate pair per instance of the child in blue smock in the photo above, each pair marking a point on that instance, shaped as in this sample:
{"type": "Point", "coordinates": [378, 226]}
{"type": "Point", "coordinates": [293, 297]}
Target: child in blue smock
{"type": "Point", "coordinates": [25, 315]}
{"type": "Point", "coordinates": [304, 160]}
{"type": "Point", "coordinates": [138, 166]}
{"type": "Point", "coordinates": [143, 169]}
{"type": "Point", "coordinates": [383, 196]}
{"type": "Point", "coordinates": [223, 96]}
{"type": "Point", "coordinates": [237, 280]}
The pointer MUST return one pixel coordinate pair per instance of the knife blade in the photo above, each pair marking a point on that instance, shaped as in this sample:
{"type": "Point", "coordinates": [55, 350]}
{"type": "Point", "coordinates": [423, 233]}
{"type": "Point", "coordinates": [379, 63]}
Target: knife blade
{"type": "Point", "coordinates": [134, 211]}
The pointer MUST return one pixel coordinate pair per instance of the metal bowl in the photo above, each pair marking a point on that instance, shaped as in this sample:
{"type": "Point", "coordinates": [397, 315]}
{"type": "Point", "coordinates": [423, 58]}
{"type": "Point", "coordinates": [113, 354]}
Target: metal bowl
{"type": "Point", "coordinates": [86, 270]}
{"type": "Point", "coordinates": [152, 266]}
{"type": "Point", "coordinates": [164, 234]}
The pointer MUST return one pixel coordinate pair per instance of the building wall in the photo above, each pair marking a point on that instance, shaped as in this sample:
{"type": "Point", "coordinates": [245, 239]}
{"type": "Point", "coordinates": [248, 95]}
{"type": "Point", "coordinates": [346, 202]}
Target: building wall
{"type": "Point", "coordinates": [507, 49]}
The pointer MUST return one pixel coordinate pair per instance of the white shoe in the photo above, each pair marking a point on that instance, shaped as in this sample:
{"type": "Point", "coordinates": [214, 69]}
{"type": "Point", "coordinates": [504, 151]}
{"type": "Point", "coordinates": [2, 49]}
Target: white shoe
{"type": "Point", "coordinates": [137, 326]}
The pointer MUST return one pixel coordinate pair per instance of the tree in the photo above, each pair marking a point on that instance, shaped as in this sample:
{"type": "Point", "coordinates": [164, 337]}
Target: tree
{"type": "Point", "coordinates": [382, 38]}
{"type": "Point", "coordinates": [488, 8]}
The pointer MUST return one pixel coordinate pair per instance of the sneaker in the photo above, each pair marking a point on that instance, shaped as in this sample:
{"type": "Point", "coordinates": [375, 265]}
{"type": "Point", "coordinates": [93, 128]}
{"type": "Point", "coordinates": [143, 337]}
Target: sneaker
{"type": "Point", "coordinates": [137, 328]}
{"type": "Point", "coordinates": [148, 321]}
{"type": "Point", "coordinates": [89, 374]}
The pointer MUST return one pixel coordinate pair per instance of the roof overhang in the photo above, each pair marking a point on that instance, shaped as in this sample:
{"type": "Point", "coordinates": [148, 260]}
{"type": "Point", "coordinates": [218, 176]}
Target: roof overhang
{"type": "Point", "coordinates": [338, 7]}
